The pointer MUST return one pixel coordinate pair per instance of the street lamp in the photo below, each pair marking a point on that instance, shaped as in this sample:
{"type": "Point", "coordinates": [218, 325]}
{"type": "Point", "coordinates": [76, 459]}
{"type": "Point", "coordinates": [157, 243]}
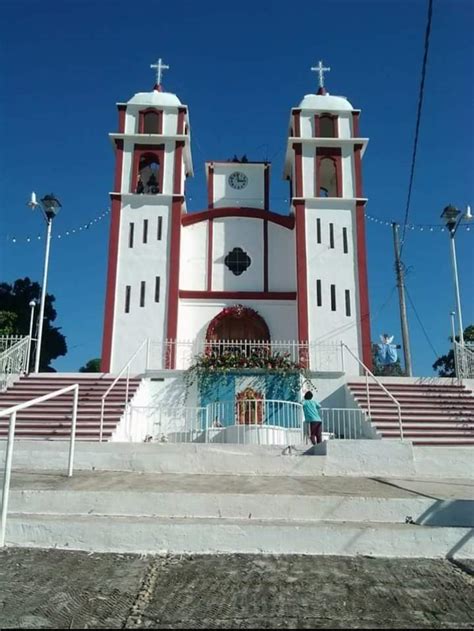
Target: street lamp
{"type": "Point", "coordinates": [32, 313]}
{"type": "Point", "coordinates": [452, 218]}
{"type": "Point", "coordinates": [50, 206]}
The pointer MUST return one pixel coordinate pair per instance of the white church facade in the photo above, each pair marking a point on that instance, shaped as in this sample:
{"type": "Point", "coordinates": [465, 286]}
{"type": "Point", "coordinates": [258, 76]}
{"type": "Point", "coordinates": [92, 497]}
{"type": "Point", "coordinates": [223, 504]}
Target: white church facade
{"type": "Point", "coordinates": [236, 270]}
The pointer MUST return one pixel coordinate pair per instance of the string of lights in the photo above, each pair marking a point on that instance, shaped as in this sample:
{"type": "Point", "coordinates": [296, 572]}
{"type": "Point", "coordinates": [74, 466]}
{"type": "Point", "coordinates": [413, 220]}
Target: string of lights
{"type": "Point", "coordinates": [421, 227]}
{"type": "Point", "coordinates": [62, 235]}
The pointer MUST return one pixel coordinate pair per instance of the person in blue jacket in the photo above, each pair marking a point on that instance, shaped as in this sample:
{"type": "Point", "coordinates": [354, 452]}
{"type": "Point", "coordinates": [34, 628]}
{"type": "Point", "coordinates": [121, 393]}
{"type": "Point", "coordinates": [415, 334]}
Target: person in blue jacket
{"type": "Point", "coordinates": [312, 416]}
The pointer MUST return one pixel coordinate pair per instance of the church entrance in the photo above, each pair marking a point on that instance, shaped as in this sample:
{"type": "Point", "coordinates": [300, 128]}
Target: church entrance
{"type": "Point", "coordinates": [238, 323]}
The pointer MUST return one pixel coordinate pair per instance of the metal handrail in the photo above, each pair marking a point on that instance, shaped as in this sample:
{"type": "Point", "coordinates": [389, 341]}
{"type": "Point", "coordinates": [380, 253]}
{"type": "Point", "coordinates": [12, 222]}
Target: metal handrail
{"type": "Point", "coordinates": [125, 368]}
{"type": "Point", "coordinates": [18, 351]}
{"type": "Point", "coordinates": [11, 412]}
{"type": "Point", "coordinates": [367, 373]}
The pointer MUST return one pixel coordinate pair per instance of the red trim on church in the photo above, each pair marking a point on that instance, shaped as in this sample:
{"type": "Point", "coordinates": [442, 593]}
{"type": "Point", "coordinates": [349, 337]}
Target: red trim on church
{"type": "Point", "coordinates": [335, 125]}
{"type": "Point", "coordinates": [237, 295]}
{"type": "Point", "coordinates": [296, 123]}
{"type": "Point", "coordinates": [178, 161]}
{"type": "Point", "coordinates": [355, 125]}
{"type": "Point", "coordinates": [158, 151]}
{"type": "Point", "coordinates": [364, 309]}
{"type": "Point", "coordinates": [301, 272]}
{"type": "Point", "coordinates": [180, 125]}
{"type": "Point", "coordinates": [173, 277]}
{"type": "Point", "coordinates": [141, 120]}
{"type": "Point", "coordinates": [210, 187]}
{"type": "Point", "coordinates": [118, 165]}
{"type": "Point", "coordinates": [210, 243]}
{"type": "Point", "coordinates": [358, 170]}
{"type": "Point", "coordinates": [111, 284]}
{"type": "Point", "coordinates": [298, 149]}
{"type": "Point", "coordinates": [287, 221]}
{"type": "Point", "coordinates": [121, 118]}
{"type": "Point", "coordinates": [334, 154]}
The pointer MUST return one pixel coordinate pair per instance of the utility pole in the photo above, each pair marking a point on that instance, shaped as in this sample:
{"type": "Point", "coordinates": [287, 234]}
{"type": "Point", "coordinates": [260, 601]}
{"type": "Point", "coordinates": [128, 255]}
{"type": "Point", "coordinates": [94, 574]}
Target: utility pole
{"type": "Point", "coordinates": [401, 297]}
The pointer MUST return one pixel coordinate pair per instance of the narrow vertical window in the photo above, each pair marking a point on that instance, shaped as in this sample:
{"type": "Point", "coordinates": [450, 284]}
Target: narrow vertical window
{"type": "Point", "coordinates": [130, 235]}
{"type": "Point", "coordinates": [157, 289]}
{"type": "Point", "coordinates": [344, 240]}
{"type": "Point", "coordinates": [348, 302]}
{"type": "Point", "coordinates": [160, 227]}
{"type": "Point", "coordinates": [128, 290]}
{"type": "Point", "coordinates": [331, 235]}
{"type": "Point", "coordinates": [145, 230]}
{"type": "Point", "coordinates": [333, 297]}
{"type": "Point", "coordinates": [319, 299]}
{"type": "Point", "coordinates": [318, 230]}
{"type": "Point", "coordinates": [142, 293]}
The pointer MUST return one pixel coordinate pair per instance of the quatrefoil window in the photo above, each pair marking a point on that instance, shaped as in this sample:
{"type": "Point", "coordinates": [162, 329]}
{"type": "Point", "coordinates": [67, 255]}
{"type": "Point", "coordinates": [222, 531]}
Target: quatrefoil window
{"type": "Point", "coordinates": [237, 261]}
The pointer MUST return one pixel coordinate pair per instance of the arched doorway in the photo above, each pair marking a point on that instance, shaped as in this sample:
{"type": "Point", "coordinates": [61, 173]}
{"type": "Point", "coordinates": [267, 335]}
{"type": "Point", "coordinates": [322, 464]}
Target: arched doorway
{"type": "Point", "coordinates": [238, 324]}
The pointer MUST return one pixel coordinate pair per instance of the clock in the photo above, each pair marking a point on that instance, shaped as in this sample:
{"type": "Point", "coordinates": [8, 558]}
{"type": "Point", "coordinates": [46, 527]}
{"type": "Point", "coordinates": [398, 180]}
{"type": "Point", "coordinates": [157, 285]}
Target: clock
{"type": "Point", "coordinates": [238, 180]}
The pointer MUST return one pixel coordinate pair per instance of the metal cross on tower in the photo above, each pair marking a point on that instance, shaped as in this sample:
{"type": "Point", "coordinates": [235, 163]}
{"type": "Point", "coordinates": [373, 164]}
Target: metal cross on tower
{"type": "Point", "coordinates": [160, 66]}
{"type": "Point", "coordinates": [321, 70]}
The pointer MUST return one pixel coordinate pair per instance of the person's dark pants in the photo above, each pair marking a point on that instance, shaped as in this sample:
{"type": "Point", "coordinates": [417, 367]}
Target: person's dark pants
{"type": "Point", "coordinates": [316, 428]}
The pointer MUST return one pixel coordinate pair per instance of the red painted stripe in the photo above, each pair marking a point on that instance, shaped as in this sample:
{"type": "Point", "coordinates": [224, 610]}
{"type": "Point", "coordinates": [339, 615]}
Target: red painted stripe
{"type": "Point", "coordinates": [173, 277]}
{"type": "Point", "coordinates": [180, 126]}
{"type": "Point", "coordinates": [287, 221]}
{"type": "Point", "coordinates": [363, 285]}
{"type": "Point", "coordinates": [121, 118]}
{"type": "Point", "coordinates": [238, 295]}
{"type": "Point", "coordinates": [297, 123]}
{"type": "Point", "coordinates": [178, 161]}
{"type": "Point", "coordinates": [118, 166]}
{"type": "Point", "coordinates": [210, 192]}
{"type": "Point", "coordinates": [210, 243]}
{"type": "Point", "coordinates": [355, 125]}
{"type": "Point", "coordinates": [298, 169]}
{"type": "Point", "coordinates": [266, 185]}
{"type": "Point", "coordinates": [111, 285]}
{"type": "Point", "coordinates": [358, 170]}
{"type": "Point", "coordinates": [301, 273]}
{"type": "Point", "coordinates": [265, 256]}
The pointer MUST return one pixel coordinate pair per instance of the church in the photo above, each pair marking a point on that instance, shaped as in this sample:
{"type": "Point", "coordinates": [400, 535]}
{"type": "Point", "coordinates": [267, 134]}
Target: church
{"type": "Point", "coordinates": [237, 273]}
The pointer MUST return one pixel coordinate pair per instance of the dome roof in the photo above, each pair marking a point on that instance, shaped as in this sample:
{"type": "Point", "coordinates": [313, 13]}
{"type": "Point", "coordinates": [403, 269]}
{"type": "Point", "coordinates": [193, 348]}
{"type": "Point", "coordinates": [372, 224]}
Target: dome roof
{"type": "Point", "coordinates": [154, 98]}
{"type": "Point", "coordinates": [325, 102]}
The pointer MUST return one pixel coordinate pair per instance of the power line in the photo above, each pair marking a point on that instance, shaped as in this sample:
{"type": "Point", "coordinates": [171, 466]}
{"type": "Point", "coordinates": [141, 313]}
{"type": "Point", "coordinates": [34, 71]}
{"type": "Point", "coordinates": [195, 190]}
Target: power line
{"type": "Point", "coordinates": [418, 119]}
{"type": "Point", "coordinates": [421, 323]}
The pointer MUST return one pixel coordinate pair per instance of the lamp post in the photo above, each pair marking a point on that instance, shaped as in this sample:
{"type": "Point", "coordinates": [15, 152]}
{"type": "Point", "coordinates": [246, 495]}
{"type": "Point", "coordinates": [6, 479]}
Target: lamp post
{"type": "Point", "coordinates": [32, 313]}
{"type": "Point", "coordinates": [452, 218]}
{"type": "Point", "coordinates": [50, 206]}
{"type": "Point", "coordinates": [453, 333]}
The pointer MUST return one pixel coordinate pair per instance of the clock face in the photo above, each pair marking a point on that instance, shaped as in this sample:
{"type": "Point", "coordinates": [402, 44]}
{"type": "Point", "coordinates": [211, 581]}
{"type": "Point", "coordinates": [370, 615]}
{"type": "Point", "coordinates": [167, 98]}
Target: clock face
{"type": "Point", "coordinates": [238, 180]}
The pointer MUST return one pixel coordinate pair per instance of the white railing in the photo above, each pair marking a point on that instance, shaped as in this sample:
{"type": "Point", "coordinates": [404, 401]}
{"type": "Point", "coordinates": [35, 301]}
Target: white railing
{"type": "Point", "coordinates": [180, 354]}
{"type": "Point", "coordinates": [126, 369]}
{"type": "Point", "coordinates": [13, 359]}
{"type": "Point", "coordinates": [368, 373]}
{"type": "Point", "coordinates": [12, 412]}
{"type": "Point", "coordinates": [464, 361]}
{"type": "Point", "coordinates": [345, 423]}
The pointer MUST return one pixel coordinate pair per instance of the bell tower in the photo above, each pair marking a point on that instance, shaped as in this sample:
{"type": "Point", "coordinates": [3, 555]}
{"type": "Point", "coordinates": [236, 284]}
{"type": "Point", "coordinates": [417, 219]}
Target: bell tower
{"type": "Point", "coordinates": [152, 161]}
{"type": "Point", "coordinates": [323, 165]}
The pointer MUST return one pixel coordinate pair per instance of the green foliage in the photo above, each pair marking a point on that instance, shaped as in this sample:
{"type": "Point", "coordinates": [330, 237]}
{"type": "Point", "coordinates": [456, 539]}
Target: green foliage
{"type": "Point", "coordinates": [93, 365]}
{"type": "Point", "coordinates": [8, 322]}
{"type": "Point", "coordinates": [210, 365]}
{"type": "Point", "coordinates": [14, 300]}
{"type": "Point", "coordinates": [445, 364]}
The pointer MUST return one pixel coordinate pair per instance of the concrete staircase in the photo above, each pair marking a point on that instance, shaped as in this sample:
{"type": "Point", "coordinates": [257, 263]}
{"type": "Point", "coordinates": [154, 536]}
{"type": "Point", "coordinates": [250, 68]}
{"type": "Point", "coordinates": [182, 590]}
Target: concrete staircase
{"type": "Point", "coordinates": [51, 420]}
{"type": "Point", "coordinates": [432, 414]}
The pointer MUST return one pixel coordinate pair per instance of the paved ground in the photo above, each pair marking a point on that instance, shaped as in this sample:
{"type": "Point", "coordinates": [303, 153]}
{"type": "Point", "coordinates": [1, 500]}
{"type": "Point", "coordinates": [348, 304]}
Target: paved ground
{"type": "Point", "coordinates": [58, 589]}
{"type": "Point", "coordinates": [176, 483]}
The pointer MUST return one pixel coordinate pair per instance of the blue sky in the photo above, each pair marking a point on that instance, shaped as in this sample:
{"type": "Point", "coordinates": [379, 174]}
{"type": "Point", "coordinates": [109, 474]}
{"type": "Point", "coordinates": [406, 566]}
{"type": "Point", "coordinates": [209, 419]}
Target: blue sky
{"type": "Point", "coordinates": [239, 67]}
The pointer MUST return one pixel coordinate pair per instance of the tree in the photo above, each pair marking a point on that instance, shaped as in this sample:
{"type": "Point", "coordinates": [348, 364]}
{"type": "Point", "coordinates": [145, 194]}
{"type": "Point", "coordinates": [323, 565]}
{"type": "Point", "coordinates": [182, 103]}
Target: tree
{"type": "Point", "coordinates": [445, 364]}
{"type": "Point", "coordinates": [93, 365]}
{"type": "Point", "coordinates": [14, 301]}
